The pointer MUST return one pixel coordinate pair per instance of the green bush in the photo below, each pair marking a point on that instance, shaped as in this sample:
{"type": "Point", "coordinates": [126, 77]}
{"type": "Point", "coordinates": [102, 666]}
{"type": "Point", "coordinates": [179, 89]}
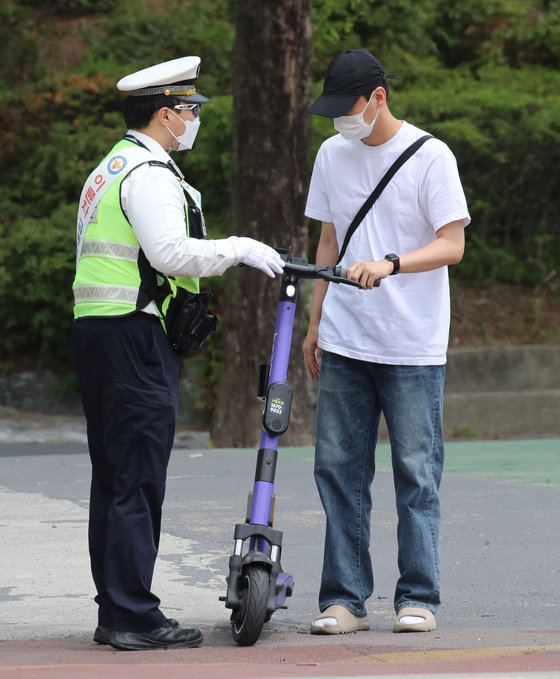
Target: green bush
{"type": "Point", "coordinates": [483, 76]}
{"type": "Point", "coordinates": [72, 7]}
{"type": "Point", "coordinates": [36, 273]}
{"type": "Point", "coordinates": [144, 38]}
{"type": "Point", "coordinates": [19, 56]}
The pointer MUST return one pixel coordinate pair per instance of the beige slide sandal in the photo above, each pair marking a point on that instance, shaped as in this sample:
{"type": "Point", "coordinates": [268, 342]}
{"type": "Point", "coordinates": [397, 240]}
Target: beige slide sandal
{"type": "Point", "coordinates": [338, 620]}
{"type": "Point", "coordinates": [415, 619]}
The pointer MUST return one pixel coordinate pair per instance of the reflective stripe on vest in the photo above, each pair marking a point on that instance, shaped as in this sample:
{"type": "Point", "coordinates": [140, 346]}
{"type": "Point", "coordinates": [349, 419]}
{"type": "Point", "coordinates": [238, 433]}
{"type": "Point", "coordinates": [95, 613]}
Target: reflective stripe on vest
{"type": "Point", "coordinates": [105, 293]}
{"type": "Point", "coordinates": [107, 248]}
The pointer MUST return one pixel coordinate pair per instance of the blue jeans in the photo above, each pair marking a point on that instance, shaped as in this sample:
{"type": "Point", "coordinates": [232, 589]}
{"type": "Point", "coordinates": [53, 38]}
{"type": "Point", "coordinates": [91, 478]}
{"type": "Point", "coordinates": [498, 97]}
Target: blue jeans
{"type": "Point", "coordinates": [352, 396]}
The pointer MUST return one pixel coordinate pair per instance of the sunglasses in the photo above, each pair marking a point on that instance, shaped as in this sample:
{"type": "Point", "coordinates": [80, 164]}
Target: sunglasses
{"type": "Point", "coordinates": [195, 108]}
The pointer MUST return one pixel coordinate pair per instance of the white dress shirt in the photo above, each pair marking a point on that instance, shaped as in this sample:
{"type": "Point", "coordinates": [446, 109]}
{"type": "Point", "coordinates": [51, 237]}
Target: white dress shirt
{"type": "Point", "coordinates": [154, 204]}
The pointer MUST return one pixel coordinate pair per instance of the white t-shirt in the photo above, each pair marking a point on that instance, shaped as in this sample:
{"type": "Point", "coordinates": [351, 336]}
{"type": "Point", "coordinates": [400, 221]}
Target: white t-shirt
{"type": "Point", "coordinates": [406, 320]}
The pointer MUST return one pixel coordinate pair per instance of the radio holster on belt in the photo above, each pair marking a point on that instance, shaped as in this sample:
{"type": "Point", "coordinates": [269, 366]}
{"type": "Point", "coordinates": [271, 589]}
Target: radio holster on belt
{"type": "Point", "coordinates": [188, 321]}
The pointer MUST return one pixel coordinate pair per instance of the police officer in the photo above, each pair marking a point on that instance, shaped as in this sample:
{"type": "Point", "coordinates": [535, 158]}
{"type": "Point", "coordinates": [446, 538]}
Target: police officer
{"type": "Point", "coordinates": [139, 248]}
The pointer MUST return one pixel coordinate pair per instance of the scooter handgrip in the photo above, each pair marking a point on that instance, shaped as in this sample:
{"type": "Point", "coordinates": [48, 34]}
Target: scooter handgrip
{"type": "Point", "coordinates": [339, 271]}
{"type": "Point", "coordinates": [342, 273]}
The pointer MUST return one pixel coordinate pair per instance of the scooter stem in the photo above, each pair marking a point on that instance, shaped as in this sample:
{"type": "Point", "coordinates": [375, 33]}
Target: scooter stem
{"type": "Point", "coordinates": [264, 487]}
{"type": "Point", "coordinates": [282, 341]}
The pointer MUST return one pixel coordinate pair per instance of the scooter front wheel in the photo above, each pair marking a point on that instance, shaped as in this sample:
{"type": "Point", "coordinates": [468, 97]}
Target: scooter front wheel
{"type": "Point", "coordinates": [247, 621]}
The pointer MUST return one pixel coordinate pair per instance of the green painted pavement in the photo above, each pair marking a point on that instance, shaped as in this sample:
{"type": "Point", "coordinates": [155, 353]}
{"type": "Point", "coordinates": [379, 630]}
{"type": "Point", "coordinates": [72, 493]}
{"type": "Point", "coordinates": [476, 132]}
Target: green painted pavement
{"type": "Point", "coordinates": [534, 461]}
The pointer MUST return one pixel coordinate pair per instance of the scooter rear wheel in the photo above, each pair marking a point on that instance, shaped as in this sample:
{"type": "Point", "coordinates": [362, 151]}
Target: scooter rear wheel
{"type": "Point", "coordinates": [247, 622]}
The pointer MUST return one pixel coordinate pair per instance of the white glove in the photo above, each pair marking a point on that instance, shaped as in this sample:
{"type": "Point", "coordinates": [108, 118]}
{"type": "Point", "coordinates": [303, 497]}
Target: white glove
{"type": "Point", "coordinates": [258, 255]}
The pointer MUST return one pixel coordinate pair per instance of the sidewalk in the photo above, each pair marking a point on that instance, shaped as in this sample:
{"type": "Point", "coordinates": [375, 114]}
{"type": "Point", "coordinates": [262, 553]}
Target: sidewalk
{"type": "Point", "coordinates": [500, 565]}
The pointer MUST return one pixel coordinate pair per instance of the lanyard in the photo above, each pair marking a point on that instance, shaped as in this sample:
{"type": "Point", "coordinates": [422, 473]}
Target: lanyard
{"type": "Point", "coordinates": [195, 195]}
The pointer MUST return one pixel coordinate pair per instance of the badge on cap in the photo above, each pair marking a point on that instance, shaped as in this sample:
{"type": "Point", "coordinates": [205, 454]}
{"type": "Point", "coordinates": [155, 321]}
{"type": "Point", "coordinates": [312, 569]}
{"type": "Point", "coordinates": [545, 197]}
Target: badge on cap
{"type": "Point", "coordinates": [176, 77]}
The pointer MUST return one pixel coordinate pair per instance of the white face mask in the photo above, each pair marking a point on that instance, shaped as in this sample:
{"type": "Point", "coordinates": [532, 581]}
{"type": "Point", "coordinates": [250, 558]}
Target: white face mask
{"type": "Point", "coordinates": [186, 140]}
{"type": "Point", "coordinates": [354, 127]}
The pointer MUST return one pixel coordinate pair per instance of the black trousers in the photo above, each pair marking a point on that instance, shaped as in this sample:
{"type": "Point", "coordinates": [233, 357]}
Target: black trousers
{"type": "Point", "coordinates": [128, 376]}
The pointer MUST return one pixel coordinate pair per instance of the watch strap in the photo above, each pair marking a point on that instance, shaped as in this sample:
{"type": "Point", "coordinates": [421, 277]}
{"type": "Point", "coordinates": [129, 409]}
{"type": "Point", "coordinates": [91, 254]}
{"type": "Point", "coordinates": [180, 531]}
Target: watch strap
{"type": "Point", "coordinates": [395, 259]}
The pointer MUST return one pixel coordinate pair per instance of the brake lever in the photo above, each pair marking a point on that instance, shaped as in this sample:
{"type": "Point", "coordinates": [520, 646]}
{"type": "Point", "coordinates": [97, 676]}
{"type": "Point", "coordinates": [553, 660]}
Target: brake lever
{"type": "Point", "coordinates": [333, 274]}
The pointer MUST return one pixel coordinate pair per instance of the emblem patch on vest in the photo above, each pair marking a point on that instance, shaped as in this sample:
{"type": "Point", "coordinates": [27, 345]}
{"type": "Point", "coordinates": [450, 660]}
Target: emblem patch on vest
{"type": "Point", "coordinates": [116, 164]}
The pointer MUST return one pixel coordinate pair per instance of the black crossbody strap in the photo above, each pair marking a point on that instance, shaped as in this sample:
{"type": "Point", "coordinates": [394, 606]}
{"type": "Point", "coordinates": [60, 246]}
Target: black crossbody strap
{"type": "Point", "coordinates": [366, 207]}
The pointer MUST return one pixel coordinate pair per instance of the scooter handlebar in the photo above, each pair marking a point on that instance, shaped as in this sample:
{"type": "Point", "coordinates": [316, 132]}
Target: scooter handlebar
{"type": "Point", "coordinates": [303, 269]}
{"type": "Point", "coordinates": [333, 274]}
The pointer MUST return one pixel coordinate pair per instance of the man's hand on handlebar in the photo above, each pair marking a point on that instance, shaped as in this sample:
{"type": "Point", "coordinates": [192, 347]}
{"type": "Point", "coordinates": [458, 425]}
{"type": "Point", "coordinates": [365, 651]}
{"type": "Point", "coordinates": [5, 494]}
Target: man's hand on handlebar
{"type": "Point", "coordinates": [369, 274]}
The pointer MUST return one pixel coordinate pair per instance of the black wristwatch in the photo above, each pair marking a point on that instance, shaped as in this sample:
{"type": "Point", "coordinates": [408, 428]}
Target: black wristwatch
{"type": "Point", "coordinates": [396, 263]}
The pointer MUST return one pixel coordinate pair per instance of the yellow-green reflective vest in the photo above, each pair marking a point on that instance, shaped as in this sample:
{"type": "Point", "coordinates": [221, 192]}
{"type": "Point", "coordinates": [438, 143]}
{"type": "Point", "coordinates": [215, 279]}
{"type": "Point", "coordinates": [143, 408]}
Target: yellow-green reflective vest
{"type": "Point", "coordinates": [113, 276]}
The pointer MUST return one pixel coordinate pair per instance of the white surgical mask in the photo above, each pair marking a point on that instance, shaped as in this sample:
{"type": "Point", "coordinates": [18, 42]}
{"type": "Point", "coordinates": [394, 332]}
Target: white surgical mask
{"type": "Point", "coordinates": [186, 140]}
{"type": "Point", "coordinates": [354, 127]}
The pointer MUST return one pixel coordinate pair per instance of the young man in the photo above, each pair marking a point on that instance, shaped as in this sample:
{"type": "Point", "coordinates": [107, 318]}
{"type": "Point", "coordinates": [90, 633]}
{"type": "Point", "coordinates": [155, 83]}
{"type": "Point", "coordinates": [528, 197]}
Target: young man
{"type": "Point", "coordinates": [139, 248]}
{"type": "Point", "coordinates": [380, 350]}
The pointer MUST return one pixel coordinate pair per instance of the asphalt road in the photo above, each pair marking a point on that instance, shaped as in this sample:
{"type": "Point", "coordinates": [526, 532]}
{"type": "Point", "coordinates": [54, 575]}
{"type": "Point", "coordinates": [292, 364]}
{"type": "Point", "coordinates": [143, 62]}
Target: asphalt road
{"type": "Point", "coordinates": [500, 567]}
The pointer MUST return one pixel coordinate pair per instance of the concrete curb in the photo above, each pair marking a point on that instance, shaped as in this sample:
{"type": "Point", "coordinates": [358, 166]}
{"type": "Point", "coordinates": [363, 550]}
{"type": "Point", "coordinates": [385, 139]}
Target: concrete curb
{"type": "Point", "coordinates": [490, 392]}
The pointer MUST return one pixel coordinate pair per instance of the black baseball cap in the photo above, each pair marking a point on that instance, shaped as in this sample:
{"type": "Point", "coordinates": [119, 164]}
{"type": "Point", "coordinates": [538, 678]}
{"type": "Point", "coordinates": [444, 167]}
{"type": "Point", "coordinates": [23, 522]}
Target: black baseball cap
{"type": "Point", "coordinates": [349, 75]}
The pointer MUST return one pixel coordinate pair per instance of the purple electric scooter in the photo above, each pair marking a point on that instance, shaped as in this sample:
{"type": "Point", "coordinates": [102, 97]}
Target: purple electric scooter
{"type": "Point", "coordinates": [257, 586]}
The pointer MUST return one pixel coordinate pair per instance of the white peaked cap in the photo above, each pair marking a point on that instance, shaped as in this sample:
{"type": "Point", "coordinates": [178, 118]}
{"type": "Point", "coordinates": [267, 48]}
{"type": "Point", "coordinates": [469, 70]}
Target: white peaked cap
{"type": "Point", "coordinates": [175, 78]}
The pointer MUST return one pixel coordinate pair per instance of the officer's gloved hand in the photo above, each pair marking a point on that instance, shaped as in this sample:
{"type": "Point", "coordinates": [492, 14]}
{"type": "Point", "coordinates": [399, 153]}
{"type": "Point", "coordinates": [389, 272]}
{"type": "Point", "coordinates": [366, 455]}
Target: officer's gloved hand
{"type": "Point", "coordinates": [258, 255]}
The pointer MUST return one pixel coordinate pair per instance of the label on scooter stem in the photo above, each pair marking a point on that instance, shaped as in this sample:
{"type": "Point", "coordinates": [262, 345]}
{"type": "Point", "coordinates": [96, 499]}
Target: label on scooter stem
{"type": "Point", "coordinates": [276, 416]}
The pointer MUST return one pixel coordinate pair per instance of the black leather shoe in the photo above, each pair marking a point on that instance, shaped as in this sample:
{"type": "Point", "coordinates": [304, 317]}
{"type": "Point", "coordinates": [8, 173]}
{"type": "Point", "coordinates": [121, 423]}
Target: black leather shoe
{"type": "Point", "coordinates": [102, 635]}
{"type": "Point", "coordinates": [161, 637]}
